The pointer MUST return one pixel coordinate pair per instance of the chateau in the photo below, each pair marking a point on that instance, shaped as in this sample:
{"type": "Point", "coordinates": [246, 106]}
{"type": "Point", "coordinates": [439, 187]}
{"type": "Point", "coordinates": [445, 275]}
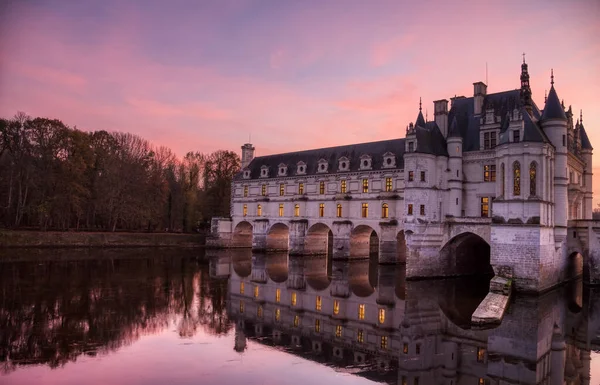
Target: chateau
{"type": "Point", "coordinates": [493, 180]}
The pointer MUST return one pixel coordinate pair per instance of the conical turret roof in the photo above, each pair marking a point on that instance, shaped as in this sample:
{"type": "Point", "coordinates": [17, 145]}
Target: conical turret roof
{"type": "Point", "coordinates": [553, 108]}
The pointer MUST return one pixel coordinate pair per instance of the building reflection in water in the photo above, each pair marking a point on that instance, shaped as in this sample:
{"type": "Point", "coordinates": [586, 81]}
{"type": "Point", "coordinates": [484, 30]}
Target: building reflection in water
{"type": "Point", "coordinates": [368, 320]}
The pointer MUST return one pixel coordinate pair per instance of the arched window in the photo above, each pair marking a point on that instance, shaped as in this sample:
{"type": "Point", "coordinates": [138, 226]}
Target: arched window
{"type": "Point", "coordinates": [503, 176]}
{"type": "Point", "coordinates": [296, 210]}
{"type": "Point", "coordinates": [516, 178]}
{"type": "Point", "coordinates": [384, 210]}
{"type": "Point", "coordinates": [258, 210]}
{"type": "Point", "coordinates": [339, 210]}
{"type": "Point", "coordinates": [532, 179]}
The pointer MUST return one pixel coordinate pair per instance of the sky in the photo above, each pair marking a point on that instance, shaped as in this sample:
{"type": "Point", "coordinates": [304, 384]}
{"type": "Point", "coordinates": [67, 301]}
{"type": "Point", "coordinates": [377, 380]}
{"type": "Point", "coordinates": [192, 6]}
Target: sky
{"type": "Point", "coordinates": [292, 75]}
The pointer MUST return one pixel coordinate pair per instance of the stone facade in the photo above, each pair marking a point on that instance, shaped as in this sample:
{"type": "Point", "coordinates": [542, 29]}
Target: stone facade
{"type": "Point", "coordinates": [494, 173]}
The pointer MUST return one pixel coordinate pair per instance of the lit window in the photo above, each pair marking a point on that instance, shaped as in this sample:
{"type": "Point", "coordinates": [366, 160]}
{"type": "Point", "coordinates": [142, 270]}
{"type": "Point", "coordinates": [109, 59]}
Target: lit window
{"type": "Point", "coordinates": [381, 315]}
{"type": "Point", "coordinates": [360, 337]}
{"type": "Point", "coordinates": [343, 186]}
{"type": "Point", "coordinates": [317, 325]}
{"type": "Point", "coordinates": [255, 291]}
{"type": "Point", "coordinates": [336, 307]}
{"type": "Point", "coordinates": [384, 342]}
{"type": "Point", "coordinates": [277, 314]}
{"type": "Point", "coordinates": [365, 210]}
{"type": "Point", "coordinates": [422, 176]}
{"type": "Point", "coordinates": [485, 207]}
{"type": "Point", "coordinates": [361, 311]}
{"type": "Point", "coordinates": [418, 349]}
{"type": "Point", "coordinates": [318, 303]}
{"type": "Point", "coordinates": [489, 173]}
{"type": "Point", "coordinates": [241, 287]}
{"type": "Point", "coordinates": [410, 209]}
{"type": "Point", "coordinates": [263, 190]}
{"type": "Point", "coordinates": [384, 210]}
{"type": "Point", "coordinates": [277, 295]}
{"type": "Point", "coordinates": [245, 210]}
{"type": "Point", "coordinates": [411, 176]}
{"type": "Point", "coordinates": [321, 209]}
{"type": "Point", "coordinates": [296, 210]}
{"type": "Point", "coordinates": [296, 321]}
{"type": "Point", "coordinates": [405, 348]}
{"type": "Point", "coordinates": [483, 381]}
{"type": "Point", "coordinates": [516, 178]}
{"type": "Point", "coordinates": [259, 311]}
{"type": "Point", "coordinates": [300, 188]}
{"type": "Point", "coordinates": [480, 354]}
{"type": "Point", "coordinates": [422, 210]}
{"type": "Point", "coordinates": [281, 209]}
{"type": "Point", "coordinates": [321, 187]}
{"type": "Point", "coordinates": [259, 210]}
{"type": "Point", "coordinates": [339, 210]}
{"type": "Point", "coordinates": [294, 298]}
{"type": "Point", "coordinates": [365, 185]}
{"type": "Point", "coordinates": [404, 380]}
{"type": "Point", "coordinates": [338, 331]}
{"type": "Point", "coordinates": [388, 184]}
{"type": "Point", "coordinates": [281, 189]}
{"type": "Point", "coordinates": [245, 191]}
{"type": "Point", "coordinates": [241, 306]}
{"type": "Point", "coordinates": [532, 179]}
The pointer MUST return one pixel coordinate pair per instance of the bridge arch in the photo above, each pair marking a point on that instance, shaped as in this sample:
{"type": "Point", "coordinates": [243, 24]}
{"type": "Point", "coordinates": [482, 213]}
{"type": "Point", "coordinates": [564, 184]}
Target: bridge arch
{"type": "Point", "coordinates": [278, 237]}
{"type": "Point", "coordinates": [318, 239]}
{"type": "Point", "coordinates": [465, 254]}
{"type": "Point", "coordinates": [574, 267]}
{"type": "Point", "coordinates": [364, 242]}
{"type": "Point", "coordinates": [242, 235]}
{"type": "Point", "coordinates": [277, 267]}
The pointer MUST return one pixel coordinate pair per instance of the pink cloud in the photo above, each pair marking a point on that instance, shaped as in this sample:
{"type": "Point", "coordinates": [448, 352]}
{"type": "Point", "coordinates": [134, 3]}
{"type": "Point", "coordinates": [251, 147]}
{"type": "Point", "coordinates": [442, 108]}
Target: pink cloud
{"type": "Point", "coordinates": [384, 51]}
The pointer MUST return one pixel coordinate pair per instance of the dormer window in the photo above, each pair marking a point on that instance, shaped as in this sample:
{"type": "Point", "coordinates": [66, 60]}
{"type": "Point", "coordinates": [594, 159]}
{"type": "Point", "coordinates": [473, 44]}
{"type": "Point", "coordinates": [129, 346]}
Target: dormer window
{"type": "Point", "coordinates": [489, 116]}
{"type": "Point", "coordinates": [389, 160]}
{"type": "Point", "coordinates": [264, 171]}
{"type": "Point", "coordinates": [300, 168]}
{"type": "Point", "coordinates": [516, 136]}
{"type": "Point", "coordinates": [411, 146]}
{"type": "Point", "coordinates": [282, 169]}
{"type": "Point", "coordinates": [246, 174]}
{"type": "Point", "coordinates": [365, 162]}
{"type": "Point", "coordinates": [344, 164]}
{"type": "Point", "coordinates": [322, 165]}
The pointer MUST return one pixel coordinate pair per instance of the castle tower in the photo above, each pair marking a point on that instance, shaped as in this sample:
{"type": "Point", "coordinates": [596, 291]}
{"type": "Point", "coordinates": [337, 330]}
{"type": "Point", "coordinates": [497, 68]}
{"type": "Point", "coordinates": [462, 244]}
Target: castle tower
{"type": "Point", "coordinates": [247, 154]}
{"type": "Point", "coordinates": [586, 153]}
{"type": "Point", "coordinates": [525, 88]}
{"type": "Point", "coordinates": [455, 163]}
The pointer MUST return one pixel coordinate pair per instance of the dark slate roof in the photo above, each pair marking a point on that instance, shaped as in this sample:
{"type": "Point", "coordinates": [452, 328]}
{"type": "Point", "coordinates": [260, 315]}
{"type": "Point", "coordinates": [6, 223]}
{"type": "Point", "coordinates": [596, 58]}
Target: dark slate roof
{"type": "Point", "coordinates": [454, 132]}
{"type": "Point", "coordinates": [420, 120]}
{"type": "Point", "coordinates": [332, 154]}
{"type": "Point", "coordinates": [553, 108]}
{"type": "Point", "coordinates": [532, 130]}
{"type": "Point", "coordinates": [585, 141]}
{"type": "Point", "coordinates": [430, 140]}
{"type": "Point", "coordinates": [503, 103]}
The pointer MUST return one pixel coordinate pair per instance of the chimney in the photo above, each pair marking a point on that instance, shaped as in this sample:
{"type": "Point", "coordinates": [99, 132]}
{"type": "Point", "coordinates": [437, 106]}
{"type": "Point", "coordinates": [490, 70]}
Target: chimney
{"type": "Point", "coordinates": [247, 154]}
{"type": "Point", "coordinates": [440, 112]}
{"type": "Point", "coordinates": [479, 92]}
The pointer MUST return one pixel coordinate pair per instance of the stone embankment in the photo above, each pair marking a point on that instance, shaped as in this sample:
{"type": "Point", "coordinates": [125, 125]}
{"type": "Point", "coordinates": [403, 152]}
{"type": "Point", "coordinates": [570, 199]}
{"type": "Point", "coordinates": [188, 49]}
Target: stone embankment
{"type": "Point", "coordinates": [491, 310]}
{"type": "Point", "coordinates": [10, 238]}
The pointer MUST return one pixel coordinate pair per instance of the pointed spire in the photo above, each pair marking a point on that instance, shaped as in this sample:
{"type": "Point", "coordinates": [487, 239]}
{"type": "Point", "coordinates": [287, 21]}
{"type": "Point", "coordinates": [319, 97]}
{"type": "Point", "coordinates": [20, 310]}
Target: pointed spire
{"type": "Point", "coordinates": [454, 132]}
{"type": "Point", "coordinates": [553, 108]}
{"type": "Point", "coordinates": [545, 96]}
{"type": "Point", "coordinates": [419, 103]}
{"type": "Point", "coordinates": [523, 57]}
{"type": "Point", "coordinates": [420, 120]}
{"type": "Point", "coordinates": [581, 116]}
{"type": "Point", "coordinates": [552, 76]}
{"type": "Point", "coordinates": [525, 87]}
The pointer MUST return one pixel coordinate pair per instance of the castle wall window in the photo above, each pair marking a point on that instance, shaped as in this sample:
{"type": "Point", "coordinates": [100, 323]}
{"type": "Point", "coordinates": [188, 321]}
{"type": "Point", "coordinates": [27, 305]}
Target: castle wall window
{"type": "Point", "coordinates": [281, 209]}
{"type": "Point", "coordinates": [321, 209]}
{"type": "Point", "coordinates": [277, 295]}
{"type": "Point", "coordinates": [293, 298]}
{"type": "Point", "coordinates": [338, 331]}
{"type": "Point", "coordinates": [405, 348]}
{"type": "Point", "coordinates": [336, 307]}
{"type": "Point", "coordinates": [277, 314]}
{"type": "Point", "coordinates": [384, 342]}
{"type": "Point", "coordinates": [339, 210]}
{"type": "Point", "coordinates": [532, 178]}
{"type": "Point", "coordinates": [259, 311]}
{"type": "Point", "coordinates": [321, 187]}
{"type": "Point", "coordinates": [263, 190]}
{"type": "Point", "coordinates": [281, 189]}
{"type": "Point", "coordinates": [480, 354]}
{"type": "Point", "coordinates": [485, 207]}
{"type": "Point", "coordinates": [245, 210]}
{"type": "Point", "coordinates": [296, 210]}
{"type": "Point", "coordinates": [296, 321]}
{"type": "Point", "coordinates": [317, 325]}
{"type": "Point", "coordinates": [241, 306]}
{"type": "Point", "coordinates": [365, 185]}
{"type": "Point", "coordinates": [388, 184]}
{"type": "Point", "coordinates": [411, 176]}
{"type": "Point", "coordinates": [516, 136]}
{"type": "Point", "coordinates": [564, 140]}
{"type": "Point", "coordinates": [241, 287]}
{"type": "Point", "coordinates": [418, 349]}
{"type": "Point", "coordinates": [245, 191]}
{"type": "Point", "coordinates": [318, 303]}
{"type": "Point", "coordinates": [384, 210]}
{"type": "Point", "coordinates": [365, 210]}
{"type": "Point", "coordinates": [489, 173]}
{"type": "Point", "coordinates": [503, 176]}
{"type": "Point", "coordinates": [489, 140]}
{"type": "Point", "coordinates": [300, 188]}
{"type": "Point", "coordinates": [360, 336]}
{"type": "Point", "coordinates": [256, 291]}
{"type": "Point", "coordinates": [361, 311]}
{"type": "Point", "coordinates": [381, 315]}
{"type": "Point", "coordinates": [410, 209]}
{"type": "Point", "coordinates": [411, 147]}
{"type": "Point", "coordinates": [516, 179]}
{"type": "Point", "coordinates": [422, 210]}
{"type": "Point", "coordinates": [422, 176]}
{"type": "Point", "coordinates": [343, 186]}
{"type": "Point", "coordinates": [259, 210]}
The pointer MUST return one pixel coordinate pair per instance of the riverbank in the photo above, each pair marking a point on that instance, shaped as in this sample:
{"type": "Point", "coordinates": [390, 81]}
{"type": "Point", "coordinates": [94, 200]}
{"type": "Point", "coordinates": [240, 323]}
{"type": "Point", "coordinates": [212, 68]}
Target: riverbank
{"type": "Point", "coordinates": [18, 239]}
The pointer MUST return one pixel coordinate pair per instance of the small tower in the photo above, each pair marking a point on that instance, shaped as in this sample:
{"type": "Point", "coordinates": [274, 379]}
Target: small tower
{"type": "Point", "coordinates": [525, 88]}
{"type": "Point", "coordinates": [455, 163]}
{"type": "Point", "coordinates": [247, 154]}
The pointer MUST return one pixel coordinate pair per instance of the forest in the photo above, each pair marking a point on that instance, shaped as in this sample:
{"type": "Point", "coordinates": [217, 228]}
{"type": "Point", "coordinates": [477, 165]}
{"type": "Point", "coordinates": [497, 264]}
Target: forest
{"type": "Point", "coordinates": [56, 177]}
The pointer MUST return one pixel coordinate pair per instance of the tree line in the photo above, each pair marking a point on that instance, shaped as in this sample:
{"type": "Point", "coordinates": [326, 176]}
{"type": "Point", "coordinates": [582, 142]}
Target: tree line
{"type": "Point", "coordinates": [53, 176]}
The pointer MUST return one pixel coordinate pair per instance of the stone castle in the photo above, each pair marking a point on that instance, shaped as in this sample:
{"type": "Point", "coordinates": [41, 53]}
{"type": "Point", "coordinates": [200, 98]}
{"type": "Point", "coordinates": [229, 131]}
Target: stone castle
{"type": "Point", "coordinates": [493, 180]}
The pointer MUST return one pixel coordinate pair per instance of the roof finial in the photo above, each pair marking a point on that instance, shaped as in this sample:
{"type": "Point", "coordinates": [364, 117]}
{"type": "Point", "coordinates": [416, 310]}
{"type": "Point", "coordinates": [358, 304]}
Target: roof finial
{"type": "Point", "coordinates": [581, 116]}
{"type": "Point", "coordinates": [545, 96]}
{"type": "Point", "coordinates": [419, 103]}
{"type": "Point", "coordinates": [523, 57]}
{"type": "Point", "coordinates": [551, 76]}
{"type": "Point", "coordinates": [426, 115]}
